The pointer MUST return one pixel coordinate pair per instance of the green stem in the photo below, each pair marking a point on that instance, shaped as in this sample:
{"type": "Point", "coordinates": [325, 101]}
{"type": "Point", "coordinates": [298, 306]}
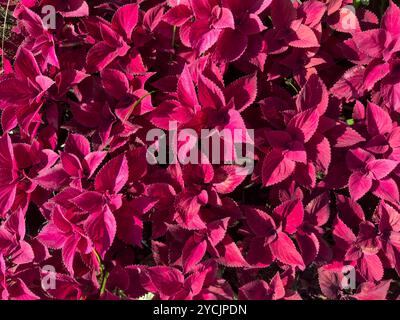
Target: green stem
{"type": "Point", "coordinates": [135, 105]}
{"type": "Point", "coordinates": [103, 283]}
{"type": "Point", "coordinates": [173, 37]}
{"type": "Point", "coordinates": [98, 259]}
{"type": "Point", "coordinates": [4, 35]}
{"type": "Point", "coordinates": [103, 276]}
{"type": "Point", "coordinates": [290, 84]}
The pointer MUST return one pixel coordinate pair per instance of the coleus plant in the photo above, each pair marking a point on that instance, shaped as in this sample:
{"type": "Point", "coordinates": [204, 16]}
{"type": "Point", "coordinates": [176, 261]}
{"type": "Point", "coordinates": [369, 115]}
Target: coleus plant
{"type": "Point", "coordinates": [319, 83]}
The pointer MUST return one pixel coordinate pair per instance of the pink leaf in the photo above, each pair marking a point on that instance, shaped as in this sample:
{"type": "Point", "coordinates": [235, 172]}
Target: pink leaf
{"type": "Point", "coordinates": [259, 222]}
{"type": "Point", "coordinates": [100, 56]}
{"type": "Point", "coordinates": [51, 236]}
{"type": "Point", "coordinates": [52, 179]}
{"type": "Point", "coordinates": [391, 20]}
{"type": "Point", "coordinates": [243, 91]}
{"type": "Point", "coordinates": [371, 291]}
{"type": "Point", "coordinates": [259, 255]}
{"type": "Point", "coordinates": [202, 38]}
{"type": "Point", "coordinates": [371, 42]}
{"type": "Point", "coordinates": [101, 228]}
{"type": "Point", "coordinates": [192, 253]}
{"type": "Point", "coordinates": [312, 12]}
{"type": "Point", "coordinates": [168, 281]}
{"type": "Point", "coordinates": [113, 175]}
{"type": "Point", "coordinates": [125, 19]}
{"type": "Point", "coordinates": [230, 254]}
{"type": "Point", "coordinates": [228, 178]}
{"type": "Point", "coordinates": [343, 136]}
{"type": "Point", "coordinates": [222, 18]}
{"type": "Point", "coordinates": [309, 246]}
{"type": "Point", "coordinates": [230, 46]}
{"type": "Point", "coordinates": [319, 151]}
{"type": "Point", "coordinates": [375, 73]}
{"type": "Point", "coordinates": [381, 168]}
{"type": "Point", "coordinates": [291, 213]}
{"type": "Point", "coordinates": [71, 164]}
{"type": "Point", "coordinates": [93, 160]}
{"type": "Point", "coordinates": [371, 267]}
{"type": "Point", "coordinates": [276, 168]}
{"type": "Point", "coordinates": [378, 120]}
{"type": "Point", "coordinates": [256, 290]}
{"type": "Point", "coordinates": [305, 123]}
{"type": "Point", "coordinates": [387, 189]}
{"type": "Point", "coordinates": [115, 83]}
{"type": "Point", "coordinates": [217, 230]}
{"type": "Point", "coordinates": [186, 90]}
{"type": "Point", "coordinates": [304, 37]}
{"type": "Point", "coordinates": [252, 24]}
{"type": "Point", "coordinates": [359, 185]}
{"type": "Point", "coordinates": [342, 234]}
{"type": "Point", "coordinates": [313, 95]}
{"type": "Point", "coordinates": [351, 85]}
{"type": "Point", "coordinates": [77, 144]}
{"type": "Point", "coordinates": [350, 211]}
{"type": "Point", "coordinates": [210, 95]}
{"type": "Point", "coordinates": [178, 15]}
{"type": "Point", "coordinates": [285, 251]}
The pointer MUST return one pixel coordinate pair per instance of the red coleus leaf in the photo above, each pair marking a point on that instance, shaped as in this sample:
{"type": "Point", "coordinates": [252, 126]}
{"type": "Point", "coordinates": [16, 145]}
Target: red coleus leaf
{"type": "Point", "coordinates": [309, 246]}
{"type": "Point", "coordinates": [378, 120]}
{"type": "Point", "coordinates": [113, 176]}
{"type": "Point", "coordinates": [375, 73]}
{"type": "Point", "coordinates": [351, 85]}
{"type": "Point", "coordinates": [291, 214]}
{"type": "Point", "coordinates": [312, 12]}
{"type": "Point", "coordinates": [310, 88]}
{"type": "Point", "coordinates": [230, 254]}
{"type": "Point", "coordinates": [52, 179]}
{"type": "Point", "coordinates": [192, 253]}
{"type": "Point", "coordinates": [178, 15]}
{"type": "Point", "coordinates": [390, 20]}
{"type": "Point", "coordinates": [201, 37]}
{"type": "Point", "coordinates": [276, 168]}
{"type": "Point", "coordinates": [285, 251]}
{"type": "Point", "coordinates": [372, 42]}
{"type": "Point", "coordinates": [243, 91]}
{"type": "Point", "coordinates": [304, 37]}
{"type": "Point", "coordinates": [259, 222]}
{"type": "Point", "coordinates": [165, 280]}
{"type": "Point", "coordinates": [370, 291]}
{"type": "Point", "coordinates": [359, 185]}
{"type": "Point", "coordinates": [314, 95]}
{"type": "Point", "coordinates": [228, 178]}
{"type": "Point", "coordinates": [101, 228]}
{"type": "Point", "coordinates": [260, 290]}
{"type": "Point", "coordinates": [304, 124]}
{"type": "Point", "coordinates": [115, 83]}
{"type": "Point", "coordinates": [125, 19]}
{"type": "Point", "coordinates": [371, 267]}
{"type": "Point", "coordinates": [210, 95]}
{"type": "Point", "coordinates": [129, 219]}
{"type": "Point", "coordinates": [231, 45]}
{"type": "Point", "coordinates": [186, 90]}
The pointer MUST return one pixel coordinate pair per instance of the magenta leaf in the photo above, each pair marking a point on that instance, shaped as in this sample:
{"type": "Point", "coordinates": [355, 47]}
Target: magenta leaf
{"type": "Point", "coordinates": [101, 228]}
{"type": "Point", "coordinates": [285, 251]}
{"type": "Point", "coordinates": [113, 176]}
